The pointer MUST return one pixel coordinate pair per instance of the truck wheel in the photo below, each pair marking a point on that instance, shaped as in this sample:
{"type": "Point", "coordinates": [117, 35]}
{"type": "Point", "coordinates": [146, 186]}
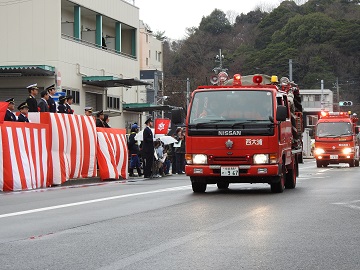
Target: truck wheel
{"type": "Point", "coordinates": [356, 163]}
{"type": "Point", "coordinates": [301, 159]}
{"type": "Point", "coordinates": [198, 187]}
{"type": "Point", "coordinates": [290, 179]}
{"type": "Point", "coordinates": [279, 187]}
{"type": "Point", "coordinates": [352, 163]}
{"type": "Point", "coordinates": [319, 164]}
{"type": "Point", "coordinates": [222, 185]}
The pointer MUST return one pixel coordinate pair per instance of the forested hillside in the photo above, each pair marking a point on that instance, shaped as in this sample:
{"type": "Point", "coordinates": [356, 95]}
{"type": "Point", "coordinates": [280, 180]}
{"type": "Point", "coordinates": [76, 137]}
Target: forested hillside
{"type": "Point", "coordinates": [322, 37]}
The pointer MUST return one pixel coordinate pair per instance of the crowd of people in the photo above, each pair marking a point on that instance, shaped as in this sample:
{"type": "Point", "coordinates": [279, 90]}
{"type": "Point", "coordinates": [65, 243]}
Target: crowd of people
{"type": "Point", "coordinates": [154, 157]}
{"type": "Point", "coordinates": [150, 158]}
{"type": "Point", "coordinates": [48, 104]}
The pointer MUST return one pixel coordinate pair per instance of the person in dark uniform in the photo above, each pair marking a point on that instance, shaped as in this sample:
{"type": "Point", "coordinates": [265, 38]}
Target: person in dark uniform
{"type": "Point", "coordinates": [31, 100]}
{"type": "Point", "coordinates": [148, 148]}
{"type": "Point", "coordinates": [61, 107]}
{"type": "Point", "coordinates": [133, 148]}
{"type": "Point", "coordinates": [51, 102]}
{"type": "Point", "coordinates": [100, 119]}
{"type": "Point", "coordinates": [24, 109]}
{"type": "Point", "coordinates": [106, 121]}
{"type": "Point", "coordinates": [68, 102]}
{"type": "Point", "coordinates": [10, 116]}
{"type": "Point", "coordinates": [43, 104]}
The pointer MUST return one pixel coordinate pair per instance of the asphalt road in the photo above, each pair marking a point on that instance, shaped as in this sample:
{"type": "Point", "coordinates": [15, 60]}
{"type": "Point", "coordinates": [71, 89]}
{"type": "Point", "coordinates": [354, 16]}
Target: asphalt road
{"type": "Point", "coordinates": [161, 224]}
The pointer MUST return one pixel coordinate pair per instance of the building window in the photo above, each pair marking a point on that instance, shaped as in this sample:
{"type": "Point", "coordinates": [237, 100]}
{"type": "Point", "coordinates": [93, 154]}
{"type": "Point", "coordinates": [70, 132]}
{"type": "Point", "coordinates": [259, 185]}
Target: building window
{"type": "Point", "coordinates": [311, 120]}
{"type": "Point", "coordinates": [149, 54]}
{"type": "Point", "coordinates": [159, 57]}
{"type": "Point", "coordinates": [156, 55]}
{"type": "Point", "coordinates": [113, 103]}
{"type": "Point", "coordinates": [147, 38]}
{"type": "Point", "coordinates": [147, 61]}
{"type": "Point", "coordinates": [74, 93]}
{"type": "Point", "coordinates": [317, 97]}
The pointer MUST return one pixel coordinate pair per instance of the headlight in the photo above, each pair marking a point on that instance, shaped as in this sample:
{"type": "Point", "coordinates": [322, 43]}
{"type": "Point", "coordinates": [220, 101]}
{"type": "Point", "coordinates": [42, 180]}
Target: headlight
{"type": "Point", "coordinates": [261, 159]}
{"type": "Point", "coordinates": [319, 151]}
{"type": "Point", "coordinates": [196, 159]}
{"type": "Point", "coordinates": [347, 151]}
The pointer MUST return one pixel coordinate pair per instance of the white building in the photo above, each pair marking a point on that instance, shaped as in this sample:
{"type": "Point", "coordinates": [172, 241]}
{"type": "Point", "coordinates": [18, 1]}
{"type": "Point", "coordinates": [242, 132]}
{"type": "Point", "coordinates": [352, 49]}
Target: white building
{"type": "Point", "coordinates": [89, 48]}
{"type": "Point", "coordinates": [313, 102]}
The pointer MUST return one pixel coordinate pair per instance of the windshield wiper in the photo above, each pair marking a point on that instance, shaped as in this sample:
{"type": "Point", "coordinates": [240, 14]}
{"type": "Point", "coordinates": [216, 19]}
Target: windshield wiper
{"type": "Point", "coordinates": [247, 122]}
{"type": "Point", "coordinates": [209, 122]}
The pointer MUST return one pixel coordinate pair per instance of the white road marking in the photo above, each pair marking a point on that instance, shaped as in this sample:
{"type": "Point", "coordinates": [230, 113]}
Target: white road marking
{"type": "Point", "coordinates": [349, 204]}
{"type": "Point", "coordinates": [93, 201]}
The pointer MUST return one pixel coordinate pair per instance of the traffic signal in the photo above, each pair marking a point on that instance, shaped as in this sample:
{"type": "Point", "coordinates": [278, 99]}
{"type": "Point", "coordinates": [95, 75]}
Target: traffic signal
{"type": "Point", "coordinates": [345, 103]}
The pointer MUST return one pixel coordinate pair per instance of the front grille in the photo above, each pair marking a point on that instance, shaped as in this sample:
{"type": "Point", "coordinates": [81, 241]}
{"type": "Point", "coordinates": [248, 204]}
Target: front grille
{"type": "Point", "coordinates": [230, 159]}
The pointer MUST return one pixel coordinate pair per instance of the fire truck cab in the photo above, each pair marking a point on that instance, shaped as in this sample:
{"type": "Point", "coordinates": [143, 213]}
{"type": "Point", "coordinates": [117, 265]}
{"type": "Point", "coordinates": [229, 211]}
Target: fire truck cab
{"type": "Point", "coordinates": [240, 133]}
{"type": "Point", "coordinates": [336, 139]}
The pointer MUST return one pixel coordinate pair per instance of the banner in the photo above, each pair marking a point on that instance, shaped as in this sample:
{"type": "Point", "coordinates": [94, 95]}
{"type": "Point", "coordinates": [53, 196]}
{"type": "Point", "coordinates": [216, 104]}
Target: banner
{"type": "Point", "coordinates": [24, 158]}
{"type": "Point", "coordinates": [72, 145]}
{"type": "Point", "coordinates": [112, 153]}
{"type": "Point", "coordinates": [162, 126]}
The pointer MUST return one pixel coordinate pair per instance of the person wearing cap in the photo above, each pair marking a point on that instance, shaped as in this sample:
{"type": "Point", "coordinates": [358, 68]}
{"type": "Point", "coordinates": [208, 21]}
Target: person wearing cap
{"type": "Point", "coordinates": [100, 119]}
{"type": "Point", "coordinates": [31, 100]}
{"type": "Point", "coordinates": [23, 108]}
{"type": "Point", "coordinates": [133, 148]}
{"type": "Point", "coordinates": [51, 102]}
{"type": "Point", "coordinates": [88, 111]}
{"type": "Point", "coordinates": [68, 102]}
{"type": "Point", "coordinates": [61, 107]}
{"type": "Point", "coordinates": [10, 116]}
{"type": "Point", "coordinates": [148, 148]}
{"type": "Point", "coordinates": [43, 105]}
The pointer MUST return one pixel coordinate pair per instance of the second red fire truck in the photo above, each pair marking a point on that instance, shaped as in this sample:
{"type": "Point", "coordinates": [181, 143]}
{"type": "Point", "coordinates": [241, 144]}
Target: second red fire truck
{"type": "Point", "coordinates": [335, 139]}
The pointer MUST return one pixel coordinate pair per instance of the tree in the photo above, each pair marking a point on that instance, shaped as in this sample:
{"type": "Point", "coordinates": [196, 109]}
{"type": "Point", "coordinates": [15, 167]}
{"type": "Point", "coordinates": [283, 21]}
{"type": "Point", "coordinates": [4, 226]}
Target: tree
{"type": "Point", "coordinates": [216, 23]}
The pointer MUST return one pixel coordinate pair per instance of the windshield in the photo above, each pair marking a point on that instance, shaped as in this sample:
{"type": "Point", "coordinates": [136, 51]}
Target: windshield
{"type": "Point", "coordinates": [333, 129]}
{"type": "Point", "coordinates": [231, 106]}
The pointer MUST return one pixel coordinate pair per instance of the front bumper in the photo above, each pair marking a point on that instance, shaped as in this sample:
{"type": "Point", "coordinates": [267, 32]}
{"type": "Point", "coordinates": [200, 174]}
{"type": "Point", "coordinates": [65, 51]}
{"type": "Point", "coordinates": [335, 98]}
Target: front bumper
{"type": "Point", "coordinates": [336, 158]}
{"type": "Point", "coordinates": [247, 173]}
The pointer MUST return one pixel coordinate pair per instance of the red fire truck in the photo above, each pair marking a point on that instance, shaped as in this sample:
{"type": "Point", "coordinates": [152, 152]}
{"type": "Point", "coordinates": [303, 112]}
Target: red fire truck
{"type": "Point", "coordinates": [335, 139]}
{"type": "Point", "coordinates": [245, 131]}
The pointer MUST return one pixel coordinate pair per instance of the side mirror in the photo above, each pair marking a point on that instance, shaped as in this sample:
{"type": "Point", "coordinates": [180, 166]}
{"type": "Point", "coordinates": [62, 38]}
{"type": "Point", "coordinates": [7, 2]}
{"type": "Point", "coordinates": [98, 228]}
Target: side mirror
{"type": "Point", "coordinates": [281, 113]}
{"type": "Point", "coordinates": [357, 129]}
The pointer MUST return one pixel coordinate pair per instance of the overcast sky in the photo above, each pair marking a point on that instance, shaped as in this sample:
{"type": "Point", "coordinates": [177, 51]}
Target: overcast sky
{"type": "Point", "coordinates": [174, 17]}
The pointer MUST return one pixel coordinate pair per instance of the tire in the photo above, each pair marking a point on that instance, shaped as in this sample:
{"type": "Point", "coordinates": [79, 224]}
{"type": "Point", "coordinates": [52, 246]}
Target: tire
{"type": "Point", "coordinates": [300, 159]}
{"type": "Point", "coordinates": [279, 186]}
{"type": "Point", "coordinates": [198, 187]}
{"type": "Point", "coordinates": [352, 163]}
{"type": "Point", "coordinates": [356, 163]}
{"type": "Point", "coordinates": [291, 179]}
{"type": "Point", "coordinates": [222, 185]}
{"type": "Point", "coordinates": [318, 164]}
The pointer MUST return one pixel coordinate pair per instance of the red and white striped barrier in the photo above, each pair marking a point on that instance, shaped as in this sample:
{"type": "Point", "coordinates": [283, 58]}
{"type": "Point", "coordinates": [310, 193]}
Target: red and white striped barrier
{"type": "Point", "coordinates": [73, 145]}
{"type": "Point", "coordinates": [112, 153]}
{"type": "Point", "coordinates": [24, 156]}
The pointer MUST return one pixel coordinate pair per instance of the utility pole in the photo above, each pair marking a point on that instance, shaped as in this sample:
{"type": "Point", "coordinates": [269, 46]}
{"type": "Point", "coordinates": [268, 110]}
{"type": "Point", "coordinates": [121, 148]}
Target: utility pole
{"type": "Point", "coordinates": [337, 93]}
{"type": "Point", "coordinates": [322, 94]}
{"type": "Point", "coordinates": [290, 70]}
{"type": "Point", "coordinates": [187, 92]}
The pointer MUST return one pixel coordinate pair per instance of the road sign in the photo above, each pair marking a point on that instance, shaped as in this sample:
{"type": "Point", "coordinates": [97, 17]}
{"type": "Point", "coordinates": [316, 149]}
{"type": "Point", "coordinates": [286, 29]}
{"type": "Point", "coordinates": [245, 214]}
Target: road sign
{"type": "Point", "coordinates": [57, 95]}
{"type": "Point", "coordinates": [345, 103]}
{"type": "Point", "coordinates": [223, 76]}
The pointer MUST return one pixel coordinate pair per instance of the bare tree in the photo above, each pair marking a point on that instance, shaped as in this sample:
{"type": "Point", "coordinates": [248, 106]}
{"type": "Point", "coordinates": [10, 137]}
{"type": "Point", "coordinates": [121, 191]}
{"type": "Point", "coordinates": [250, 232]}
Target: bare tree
{"type": "Point", "coordinates": [231, 16]}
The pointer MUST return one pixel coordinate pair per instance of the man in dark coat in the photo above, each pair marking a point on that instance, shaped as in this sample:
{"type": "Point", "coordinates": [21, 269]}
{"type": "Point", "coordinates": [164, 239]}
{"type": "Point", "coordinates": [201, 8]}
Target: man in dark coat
{"type": "Point", "coordinates": [148, 148]}
{"type": "Point", "coordinates": [43, 104]}
{"type": "Point", "coordinates": [100, 119]}
{"type": "Point", "coordinates": [133, 148]}
{"type": "Point", "coordinates": [68, 102]}
{"type": "Point", "coordinates": [31, 100]}
{"type": "Point", "coordinates": [10, 116]}
{"type": "Point", "coordinates": [23, 108]}
{"type": "Point", "coordinates": [61, 107]}
{"type": "Point", "coordinates": [51, 102]}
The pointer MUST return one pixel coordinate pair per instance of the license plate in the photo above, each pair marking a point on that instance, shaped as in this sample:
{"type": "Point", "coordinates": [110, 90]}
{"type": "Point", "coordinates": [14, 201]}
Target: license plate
{"type": "Point", "coordinates": [229, 171]}
{"type": "Point", "coordinates": [334, 156]}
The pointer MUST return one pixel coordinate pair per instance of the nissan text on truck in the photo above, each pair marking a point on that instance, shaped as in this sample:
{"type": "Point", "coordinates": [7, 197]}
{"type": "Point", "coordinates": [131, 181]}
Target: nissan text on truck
{"type": "Point", "coordinates": [247, 130]}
